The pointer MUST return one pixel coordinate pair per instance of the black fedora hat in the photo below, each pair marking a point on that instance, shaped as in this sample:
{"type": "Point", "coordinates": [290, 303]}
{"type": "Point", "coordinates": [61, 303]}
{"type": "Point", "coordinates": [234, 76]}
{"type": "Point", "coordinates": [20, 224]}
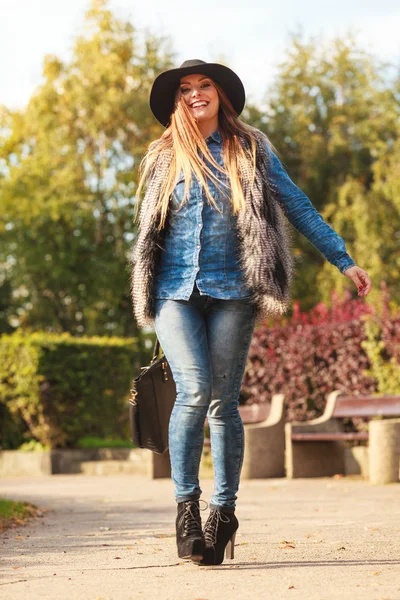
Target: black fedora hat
{"type": "Point", "coordinates": [162, 94]}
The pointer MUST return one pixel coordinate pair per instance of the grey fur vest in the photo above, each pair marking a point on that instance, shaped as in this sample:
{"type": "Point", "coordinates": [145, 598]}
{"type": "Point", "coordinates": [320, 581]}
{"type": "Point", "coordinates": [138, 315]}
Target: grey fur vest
{"type": "Point", "coordinates": [265, 252]}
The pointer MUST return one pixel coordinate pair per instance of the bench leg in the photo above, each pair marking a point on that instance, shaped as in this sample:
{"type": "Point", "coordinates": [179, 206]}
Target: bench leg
{"type": "Point", "coordinates": [312, 459]}
{"type": "Point", "coordinates": [264, 454]}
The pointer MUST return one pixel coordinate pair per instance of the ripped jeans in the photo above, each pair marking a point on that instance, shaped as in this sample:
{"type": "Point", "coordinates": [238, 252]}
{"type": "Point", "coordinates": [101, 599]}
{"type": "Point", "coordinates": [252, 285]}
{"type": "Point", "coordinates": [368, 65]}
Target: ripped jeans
{"type": "Point", "coordinates": [206, 341]}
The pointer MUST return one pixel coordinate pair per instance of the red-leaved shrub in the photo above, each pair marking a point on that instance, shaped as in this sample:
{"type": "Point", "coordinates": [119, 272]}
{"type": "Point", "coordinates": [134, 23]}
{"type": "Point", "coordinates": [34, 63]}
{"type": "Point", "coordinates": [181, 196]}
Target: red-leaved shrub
{"type": "Point", "coordinates": [310, 355]}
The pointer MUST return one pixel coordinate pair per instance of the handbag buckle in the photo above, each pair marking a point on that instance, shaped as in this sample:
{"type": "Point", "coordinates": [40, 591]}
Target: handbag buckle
{"type": "Point", "coordinates": [133, 394]}
{"type": "Point", "coordinates": [164, 370]}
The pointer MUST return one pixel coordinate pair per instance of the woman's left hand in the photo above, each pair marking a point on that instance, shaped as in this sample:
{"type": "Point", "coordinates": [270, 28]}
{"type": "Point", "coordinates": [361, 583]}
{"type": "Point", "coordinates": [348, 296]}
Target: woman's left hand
{"type": "Point", "coordinates": [360, 278]}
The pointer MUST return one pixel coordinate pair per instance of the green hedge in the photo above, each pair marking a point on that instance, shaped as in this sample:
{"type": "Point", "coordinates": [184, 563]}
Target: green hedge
{"type": "Point", "coordinates": [13, 430]}
{"type": "Point", "coordinates": [62, 388]}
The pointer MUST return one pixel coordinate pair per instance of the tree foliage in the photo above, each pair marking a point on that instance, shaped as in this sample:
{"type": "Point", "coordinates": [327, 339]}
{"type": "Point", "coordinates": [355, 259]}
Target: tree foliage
{"type": "Point", "coordinates": [69, 166]}
{"type": "Point", "coordinates": [333, 113]}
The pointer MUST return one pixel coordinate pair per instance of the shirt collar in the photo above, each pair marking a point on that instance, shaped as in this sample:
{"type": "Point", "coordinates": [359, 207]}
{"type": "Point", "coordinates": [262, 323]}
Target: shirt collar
{"type": "Point", "coordinates": [214, 137]}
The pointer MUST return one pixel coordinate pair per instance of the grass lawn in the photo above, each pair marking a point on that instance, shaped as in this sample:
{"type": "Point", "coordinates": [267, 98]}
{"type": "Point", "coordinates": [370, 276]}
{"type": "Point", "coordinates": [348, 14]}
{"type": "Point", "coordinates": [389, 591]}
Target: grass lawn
{"type": "Point", "coordinates": [13, 513]}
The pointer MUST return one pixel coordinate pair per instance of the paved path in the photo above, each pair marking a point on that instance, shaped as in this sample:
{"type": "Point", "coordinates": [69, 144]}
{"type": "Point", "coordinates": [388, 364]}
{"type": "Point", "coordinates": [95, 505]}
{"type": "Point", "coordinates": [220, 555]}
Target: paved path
{"type": "Point", "coordinates": [112, 538]}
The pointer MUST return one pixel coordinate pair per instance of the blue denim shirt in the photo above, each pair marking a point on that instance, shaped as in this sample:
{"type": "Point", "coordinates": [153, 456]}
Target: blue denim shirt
{"type": "Point", "coordinates": [201, 245]}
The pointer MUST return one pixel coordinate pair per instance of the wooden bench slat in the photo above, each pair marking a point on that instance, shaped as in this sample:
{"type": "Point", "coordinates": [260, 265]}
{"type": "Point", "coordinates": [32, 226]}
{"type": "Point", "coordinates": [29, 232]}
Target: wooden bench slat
{"type": "Point", "coordinates": [367, 406]}
{"type": "Point", "coordinates": [254, 413]}
{"type": "Point", "coordinates": [327, 437]}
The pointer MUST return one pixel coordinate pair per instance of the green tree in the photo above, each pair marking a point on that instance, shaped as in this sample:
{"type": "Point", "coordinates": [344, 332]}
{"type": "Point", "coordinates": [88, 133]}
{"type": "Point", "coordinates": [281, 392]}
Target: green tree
{"type": "Point", "coordinates": [68, 173]}
{"type": "Point", "coordinates": [369, 217]}
{"type": "Point", "coordinates": [332, 114]}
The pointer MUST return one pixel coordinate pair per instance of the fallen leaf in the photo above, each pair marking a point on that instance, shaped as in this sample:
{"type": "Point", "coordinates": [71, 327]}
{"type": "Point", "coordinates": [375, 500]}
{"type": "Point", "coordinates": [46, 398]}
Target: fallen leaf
{"type": "Point", "coordinates": [19, 537]}
{"type": "Point", "coordinates": [290, 587]}
{"type": "Point", "coordinates": [376, 572]}
{"type": "Point", "coordinates": [117, 558]}
{"type": "Point", "coordinates": [287, 544]}
{"type": "Point", "coordinates": [15, 567]}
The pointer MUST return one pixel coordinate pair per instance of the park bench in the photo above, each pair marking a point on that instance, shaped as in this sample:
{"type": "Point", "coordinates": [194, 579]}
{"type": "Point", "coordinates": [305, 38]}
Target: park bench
{"type": "Point", "coordinates": [316, 448]}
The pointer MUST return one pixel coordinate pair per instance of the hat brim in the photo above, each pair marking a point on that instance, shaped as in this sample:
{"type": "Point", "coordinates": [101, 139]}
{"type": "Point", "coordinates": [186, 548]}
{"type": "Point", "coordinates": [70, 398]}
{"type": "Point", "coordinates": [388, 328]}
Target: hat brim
{"type": "Point", "coordinates": [162, 94]}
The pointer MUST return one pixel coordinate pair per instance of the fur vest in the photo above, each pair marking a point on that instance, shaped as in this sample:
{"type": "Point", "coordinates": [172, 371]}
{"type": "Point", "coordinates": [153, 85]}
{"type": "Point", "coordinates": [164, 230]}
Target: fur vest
{"type": "Point", "coordinates": [265, 244]}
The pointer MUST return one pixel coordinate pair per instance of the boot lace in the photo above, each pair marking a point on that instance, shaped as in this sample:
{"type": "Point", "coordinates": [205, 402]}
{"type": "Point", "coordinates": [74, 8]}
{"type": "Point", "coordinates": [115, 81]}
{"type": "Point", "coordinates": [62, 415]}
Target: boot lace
{"type": "Point", "coordinates": [191, 517]}
{"type": "Point", "coordinates": [211, 527]}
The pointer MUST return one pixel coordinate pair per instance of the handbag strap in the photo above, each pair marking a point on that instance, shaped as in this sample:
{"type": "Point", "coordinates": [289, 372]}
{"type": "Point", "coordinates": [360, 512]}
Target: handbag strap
{"type": "Point", "coordinates": [155, 351]}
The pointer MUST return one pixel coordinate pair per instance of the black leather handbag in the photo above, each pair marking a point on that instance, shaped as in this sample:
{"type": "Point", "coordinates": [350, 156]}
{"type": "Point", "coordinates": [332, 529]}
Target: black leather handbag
{"type": "Point", "coordinates": [151, 401]}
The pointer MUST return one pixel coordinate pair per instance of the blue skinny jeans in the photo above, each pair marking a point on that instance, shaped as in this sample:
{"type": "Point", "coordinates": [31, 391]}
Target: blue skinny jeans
{"type": "Point", "coordinates": [206, 341]}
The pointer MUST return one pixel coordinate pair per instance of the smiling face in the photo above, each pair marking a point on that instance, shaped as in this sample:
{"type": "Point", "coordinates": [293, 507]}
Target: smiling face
{"type": "Point", "coordinates": [201, 96]}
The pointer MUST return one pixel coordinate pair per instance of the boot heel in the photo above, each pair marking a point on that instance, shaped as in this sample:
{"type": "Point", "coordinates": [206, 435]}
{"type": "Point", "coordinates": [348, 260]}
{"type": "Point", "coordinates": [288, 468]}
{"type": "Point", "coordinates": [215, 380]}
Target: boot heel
{"type": "Point", "coordinates": [230, 547]}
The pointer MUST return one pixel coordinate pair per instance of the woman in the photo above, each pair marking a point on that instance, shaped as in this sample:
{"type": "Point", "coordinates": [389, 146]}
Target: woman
{"type": "Point", "coordinates": [212, 259]}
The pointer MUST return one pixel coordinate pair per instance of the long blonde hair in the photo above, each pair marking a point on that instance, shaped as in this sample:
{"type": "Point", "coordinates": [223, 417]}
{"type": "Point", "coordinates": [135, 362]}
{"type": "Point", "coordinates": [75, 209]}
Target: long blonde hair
{"type": "Point", "coordinates": [185, 140]}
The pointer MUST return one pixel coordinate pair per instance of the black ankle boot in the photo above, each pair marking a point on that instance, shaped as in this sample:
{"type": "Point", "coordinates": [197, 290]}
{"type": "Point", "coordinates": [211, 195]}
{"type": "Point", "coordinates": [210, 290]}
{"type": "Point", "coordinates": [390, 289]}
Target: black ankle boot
{"type": "Point", "coordinates": [219, 532]}
{"type": "Point", "coordinates": [189, 534]}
